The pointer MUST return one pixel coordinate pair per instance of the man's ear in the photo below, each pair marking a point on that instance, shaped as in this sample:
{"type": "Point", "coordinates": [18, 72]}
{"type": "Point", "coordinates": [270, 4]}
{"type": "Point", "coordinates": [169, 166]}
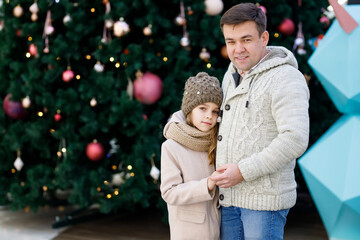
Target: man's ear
{"type": "Point", "coordinates": [265, 38]}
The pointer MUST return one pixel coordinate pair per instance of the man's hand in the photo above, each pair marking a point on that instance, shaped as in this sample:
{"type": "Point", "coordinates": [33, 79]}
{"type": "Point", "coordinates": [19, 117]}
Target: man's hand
{"type": "Point", "coordinates": [227, 175]}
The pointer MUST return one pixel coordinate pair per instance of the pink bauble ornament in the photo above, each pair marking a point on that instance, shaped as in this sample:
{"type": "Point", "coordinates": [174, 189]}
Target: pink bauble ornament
{"type": "Point", "coordinates": [13, 109]}
{"type": "Point", "coordinates": [33, 50]}
{"type": "Point", "coordinates": [147, 88]}
{"type": "Point", "coordinates": [325, 20]}
{"type": "Point", "coordinates": [68, 75]}
{"type": "Point", "coordinates": [287, 27]}
{"type": "Point", "coordinates": [263, 8]}
{"type": "Point", "coordinates": [49, 30]}
{"type": "Point", "coordinates": [94, 151]}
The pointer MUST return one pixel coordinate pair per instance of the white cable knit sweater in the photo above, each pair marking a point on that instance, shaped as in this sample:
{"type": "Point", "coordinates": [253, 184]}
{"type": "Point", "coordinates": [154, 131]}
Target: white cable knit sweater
{"type": "Point", "coordinates": [266, 137]}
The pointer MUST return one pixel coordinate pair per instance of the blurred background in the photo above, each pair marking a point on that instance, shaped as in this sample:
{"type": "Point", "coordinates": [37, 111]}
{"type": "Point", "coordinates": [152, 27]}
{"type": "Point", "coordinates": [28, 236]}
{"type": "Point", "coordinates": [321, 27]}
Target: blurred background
{"type": "Point", "coordinates": [87, 86]}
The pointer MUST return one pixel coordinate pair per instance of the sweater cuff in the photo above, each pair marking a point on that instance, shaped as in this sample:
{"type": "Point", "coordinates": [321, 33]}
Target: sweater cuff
{"type": "Point", "coordinates": [248, 169]}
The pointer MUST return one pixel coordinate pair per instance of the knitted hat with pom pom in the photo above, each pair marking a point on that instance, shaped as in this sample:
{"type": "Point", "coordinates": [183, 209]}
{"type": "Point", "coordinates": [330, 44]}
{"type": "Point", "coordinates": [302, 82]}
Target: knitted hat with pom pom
{"type": "Point", "coordinates": [199, 90]}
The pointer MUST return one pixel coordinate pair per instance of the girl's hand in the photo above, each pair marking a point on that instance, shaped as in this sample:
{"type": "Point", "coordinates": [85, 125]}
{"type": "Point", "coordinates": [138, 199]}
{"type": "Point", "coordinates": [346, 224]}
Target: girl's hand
{"type": "Point", "coordinates": [210, 184]}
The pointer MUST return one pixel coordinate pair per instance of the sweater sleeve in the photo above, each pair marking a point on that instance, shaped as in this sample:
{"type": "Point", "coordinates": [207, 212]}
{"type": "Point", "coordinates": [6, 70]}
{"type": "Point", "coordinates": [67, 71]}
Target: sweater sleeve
{"type": "Point", "coordinates": [173, 188]}
{"type": "Point", "coordinates": [289, 106]}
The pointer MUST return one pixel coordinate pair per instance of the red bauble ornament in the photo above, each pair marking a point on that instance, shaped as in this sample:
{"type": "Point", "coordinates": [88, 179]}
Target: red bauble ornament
{"type": "Point", "coordinates": [94, 151]}
{"type": "Point", "coordinates": [68, 75]}
{"type": "Point", "coordinates": [14, 110]}
{"type": "Point", "coordinates": [33, 49]}
{"type": "Point", "coordinates": [57, 117]}
{"type": "Point", "coordinates": [147, 88]}
{"type": "Point", "coordinates": [18, 32]}
{"type": "Point", "coordinates": [287, 27]}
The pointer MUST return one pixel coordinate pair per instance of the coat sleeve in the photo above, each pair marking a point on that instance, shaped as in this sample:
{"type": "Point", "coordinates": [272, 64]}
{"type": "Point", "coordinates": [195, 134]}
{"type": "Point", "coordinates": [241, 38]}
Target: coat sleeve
{"type": "Point", "coordinates": [289, 106]}
{"type": "Point", "coordinates": [173, 188]}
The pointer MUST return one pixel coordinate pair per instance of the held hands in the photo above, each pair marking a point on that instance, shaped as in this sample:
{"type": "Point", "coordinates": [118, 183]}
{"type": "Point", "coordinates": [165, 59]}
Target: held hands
{"type": "Point", "coordinates": [227, 176]}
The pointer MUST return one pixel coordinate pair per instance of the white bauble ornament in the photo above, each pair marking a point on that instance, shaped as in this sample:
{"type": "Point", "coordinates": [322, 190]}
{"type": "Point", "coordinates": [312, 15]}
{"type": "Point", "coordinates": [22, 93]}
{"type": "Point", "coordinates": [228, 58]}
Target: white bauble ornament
{"type": "Point", "coordinates": [147, 30]}
{"type": "Point", "coordinates": [130, 89]}
{"type": "Point", "coordinates": [99, 67]}
{"type": "Point", "coordinates": [204, 55]}
{"type": "Point", "coordinates": [34, 17]}
{"type": "Point", "coordinates": [299, 41]}
{"type": "Point", "coordinates": [66, 19]}
{"type": "Point", "coordinates": [184, 41]}
{"type": "Point", "coordinates": [93, 102]}
{"type": "Point", "coordinates": [179, 20]}
{"type": "Point", "coordinates": [109, 23]}
{"type": "Point", "coordinates": [26, 102]}
{"type": "Point", "coordinates": [18, 11]}
{"type": "Point", "coordinates": [301, 51]}
{"type": "Point", "coordinates": [46, 50]}
{"type": "Point", "coordinates": [155, 173]}
{"type": "Point", "coordinates": [118, 179]}
{"type": "Point", "coordinates": [121, 28]}
{"type": "Point", "coordinates": [18, 164]}
{"type": "Point", "coordinates": [34, 8]}
{"type": "Point", "coordinates": [213, 7]}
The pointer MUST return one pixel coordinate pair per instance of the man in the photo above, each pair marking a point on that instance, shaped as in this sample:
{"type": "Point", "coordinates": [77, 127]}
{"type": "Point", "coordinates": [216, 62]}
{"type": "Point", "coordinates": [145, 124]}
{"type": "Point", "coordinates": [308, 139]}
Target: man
{"type": "Point", "coordinates": [264, 127]}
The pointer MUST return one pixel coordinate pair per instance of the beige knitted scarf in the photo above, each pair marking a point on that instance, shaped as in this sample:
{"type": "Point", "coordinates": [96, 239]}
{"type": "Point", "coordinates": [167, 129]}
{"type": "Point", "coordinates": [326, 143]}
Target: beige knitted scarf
{"type": "Point", "coordinates": [189, 136]}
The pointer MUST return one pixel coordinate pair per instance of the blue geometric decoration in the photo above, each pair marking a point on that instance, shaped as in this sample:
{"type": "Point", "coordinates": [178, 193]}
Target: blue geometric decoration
{"type": "Point", "coordinates": [336, 63]}
{"type": "Point", "coordinates": [331, 168]}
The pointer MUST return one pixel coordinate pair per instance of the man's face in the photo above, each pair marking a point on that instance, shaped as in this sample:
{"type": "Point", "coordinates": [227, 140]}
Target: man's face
{"type": "Point", "coordinates": [243, 44]}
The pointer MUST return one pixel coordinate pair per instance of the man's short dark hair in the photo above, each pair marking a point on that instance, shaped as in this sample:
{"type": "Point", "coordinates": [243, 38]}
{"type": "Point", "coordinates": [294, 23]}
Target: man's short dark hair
{"type": "Point", "coordinates": [244, 12]}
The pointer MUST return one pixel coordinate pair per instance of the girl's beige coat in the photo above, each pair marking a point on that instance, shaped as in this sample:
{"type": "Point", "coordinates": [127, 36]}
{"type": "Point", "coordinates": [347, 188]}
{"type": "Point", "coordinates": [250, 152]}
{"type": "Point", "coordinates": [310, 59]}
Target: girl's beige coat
{"type": "Point", "coordinates": [193, 212]}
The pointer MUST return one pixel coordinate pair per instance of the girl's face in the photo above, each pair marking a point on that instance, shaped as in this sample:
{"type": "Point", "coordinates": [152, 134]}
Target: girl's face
{"type": "Point", "coordinates": [204, 116]}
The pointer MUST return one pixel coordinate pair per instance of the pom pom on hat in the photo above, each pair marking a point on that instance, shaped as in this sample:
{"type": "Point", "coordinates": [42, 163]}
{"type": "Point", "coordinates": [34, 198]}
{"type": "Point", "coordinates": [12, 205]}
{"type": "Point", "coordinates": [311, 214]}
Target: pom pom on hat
{"type": "Point", "coordinates": [199, 90]}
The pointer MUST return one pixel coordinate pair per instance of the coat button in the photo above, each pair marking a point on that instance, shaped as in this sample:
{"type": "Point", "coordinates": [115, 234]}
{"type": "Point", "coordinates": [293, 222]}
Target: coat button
{"type": "Point", "coordinates": [221, 197]}
{"type": "Point", "coordinates": [227, 107]}
{"type": "Point", "coordinates": [219, 137]}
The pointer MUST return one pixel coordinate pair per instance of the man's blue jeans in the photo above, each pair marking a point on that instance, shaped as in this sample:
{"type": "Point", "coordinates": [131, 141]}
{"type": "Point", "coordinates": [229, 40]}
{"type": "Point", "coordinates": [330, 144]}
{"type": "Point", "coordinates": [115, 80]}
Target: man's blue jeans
{"type": "Point", "coordinates": [244, 224]}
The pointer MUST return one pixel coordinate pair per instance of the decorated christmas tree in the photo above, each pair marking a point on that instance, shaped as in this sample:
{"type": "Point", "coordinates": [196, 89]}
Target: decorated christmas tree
{"type": "Point", "coordinates": [87, 86]}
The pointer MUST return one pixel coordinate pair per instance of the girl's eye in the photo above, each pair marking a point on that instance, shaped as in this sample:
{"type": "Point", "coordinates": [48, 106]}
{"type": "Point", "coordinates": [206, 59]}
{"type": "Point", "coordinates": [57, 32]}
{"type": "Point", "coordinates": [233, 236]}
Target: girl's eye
{"type": "Point", "coordinates": [216, 112]}
{"type": "Point", "coordinates": [202, 108]}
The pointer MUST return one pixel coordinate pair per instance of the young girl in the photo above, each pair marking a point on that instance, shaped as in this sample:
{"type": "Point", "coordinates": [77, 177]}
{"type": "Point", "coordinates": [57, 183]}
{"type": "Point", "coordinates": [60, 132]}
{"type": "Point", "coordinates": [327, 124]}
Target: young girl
{"type": "Point", "coordinates": [187, 160]}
